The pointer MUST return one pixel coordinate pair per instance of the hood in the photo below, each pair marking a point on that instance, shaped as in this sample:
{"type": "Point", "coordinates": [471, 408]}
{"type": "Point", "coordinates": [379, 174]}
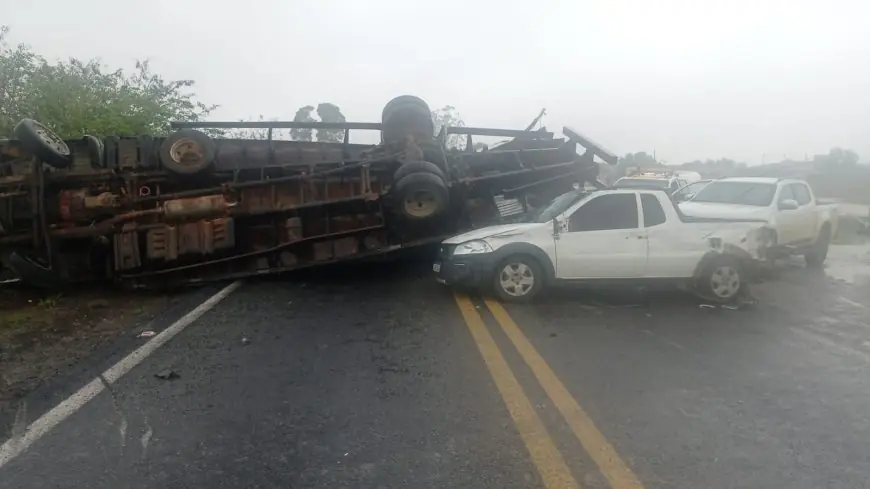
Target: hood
{"type": "Point", "coordinates": [491, 231]}
{"type": "Point", "coordinates": [724, 211]}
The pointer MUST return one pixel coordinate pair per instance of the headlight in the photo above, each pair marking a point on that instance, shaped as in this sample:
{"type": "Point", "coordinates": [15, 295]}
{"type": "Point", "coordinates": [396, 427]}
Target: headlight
{"type": "Point", "coordinates": [473, 248]}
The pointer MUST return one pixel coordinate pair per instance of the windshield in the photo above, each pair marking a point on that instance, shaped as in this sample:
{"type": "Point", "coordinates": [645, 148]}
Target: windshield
{"type": "Point", "coordinates": [740, 193]}
{"type": "Point", "coordinates": [641, 183]}
{"type": "Point", "coordinates": [556, 206]}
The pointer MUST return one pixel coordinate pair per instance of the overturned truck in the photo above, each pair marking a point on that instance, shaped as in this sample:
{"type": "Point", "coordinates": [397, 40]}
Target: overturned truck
{"type": "Point", "coordinates": [190, 208]}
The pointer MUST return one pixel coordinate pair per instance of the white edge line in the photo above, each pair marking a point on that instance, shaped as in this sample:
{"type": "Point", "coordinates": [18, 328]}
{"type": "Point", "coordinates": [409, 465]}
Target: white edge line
{"type": "Point", "coordinates": [36, 430]}
{"type": "Point", "coordinates": [852, 303]}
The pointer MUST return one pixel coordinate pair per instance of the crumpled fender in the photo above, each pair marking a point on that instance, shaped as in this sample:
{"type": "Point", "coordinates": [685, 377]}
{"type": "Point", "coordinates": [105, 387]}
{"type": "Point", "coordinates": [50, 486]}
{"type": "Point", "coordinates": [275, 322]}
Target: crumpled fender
{"type": "Point", "coordinates": [751, 267]}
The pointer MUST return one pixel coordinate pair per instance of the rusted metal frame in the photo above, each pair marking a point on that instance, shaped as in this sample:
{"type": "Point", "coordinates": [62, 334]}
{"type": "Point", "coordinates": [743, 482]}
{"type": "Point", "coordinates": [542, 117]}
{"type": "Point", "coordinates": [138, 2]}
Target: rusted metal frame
{"type": "Point", "coordinates": [357, 256]}
{"type": "Point", "coordinates": [591, 146]}
{"type": "Point", "coordinates": [259, 183]}
{"type": "Point", "coordinates": [510, 133]}
{"type": "Point", "coordinates": [510, 191]}
{"type": "Point", "coordinates": [374, 126]}
{"type": "Point", "coordinates": [271, 158]}
{"type": "Point", "coordinates": [257, 253]}
{"type": "Point", "coordinates": [516, 172]}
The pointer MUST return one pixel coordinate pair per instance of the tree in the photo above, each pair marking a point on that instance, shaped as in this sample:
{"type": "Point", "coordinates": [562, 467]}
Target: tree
{"type": "Point", "coordinates": [448, 116]}
{"type": "Point", "coordinates": [302, 115]}
{"type": "Point", "coordinates": [635, 160]}
{"type": "Point", "coordinates": [327, 112]}
{"type": "Point", "coordinates": [837, 158]}
{"type": "Point", "coordinates": [78, 97]}
{"type": "Point", "coordinates": [330, 113]}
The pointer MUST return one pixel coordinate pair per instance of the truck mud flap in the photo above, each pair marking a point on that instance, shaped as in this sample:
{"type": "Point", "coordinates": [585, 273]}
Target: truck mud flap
{"type": "Point", "coordinates": [32, 273]}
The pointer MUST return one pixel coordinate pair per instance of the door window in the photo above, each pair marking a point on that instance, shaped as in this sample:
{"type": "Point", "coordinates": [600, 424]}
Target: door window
{"type": "Point", "coordinates": [801, 193]}
{"type": "Point", "coordinates": [606, 212]}
{"type": "Point", "coordinates": [786, 194]}
{"type": "Point", "coordinates": [653, 212]}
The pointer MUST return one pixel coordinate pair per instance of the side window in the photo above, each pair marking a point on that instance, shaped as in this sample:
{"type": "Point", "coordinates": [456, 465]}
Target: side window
{"type": "Point", "coordinates": [786, 194]}
{"type": "Point", "coordinates": [801, 193]}
{"type": "Point", "coordinates": [653, 213]}
{"type": "Point", "coordinates": [607, 212]}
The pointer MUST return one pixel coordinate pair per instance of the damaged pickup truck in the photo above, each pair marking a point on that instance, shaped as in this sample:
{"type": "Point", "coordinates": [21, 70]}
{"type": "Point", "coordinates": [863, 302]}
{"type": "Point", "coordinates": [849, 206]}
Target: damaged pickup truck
{"type": "Point", "coordinates": [189, 208]}
{"type": "Point", "coordinates": [613, 235]}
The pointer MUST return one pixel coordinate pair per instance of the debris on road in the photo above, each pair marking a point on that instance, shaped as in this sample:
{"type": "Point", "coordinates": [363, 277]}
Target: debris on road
{"type": "Point", "coordinates": [167, 374]}
{"type": "Point", "coordinates": [246, 341]}
{"type": "Point", "coordinates": [146, 334]}
{"type": "Point", "coordinates": [98, 304]}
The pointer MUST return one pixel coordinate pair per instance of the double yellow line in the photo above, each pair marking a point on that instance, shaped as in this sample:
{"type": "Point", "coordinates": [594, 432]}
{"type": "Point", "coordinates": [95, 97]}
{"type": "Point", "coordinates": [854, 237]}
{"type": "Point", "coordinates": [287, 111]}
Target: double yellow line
{"type": "Point", "coordinates": [546, 457]}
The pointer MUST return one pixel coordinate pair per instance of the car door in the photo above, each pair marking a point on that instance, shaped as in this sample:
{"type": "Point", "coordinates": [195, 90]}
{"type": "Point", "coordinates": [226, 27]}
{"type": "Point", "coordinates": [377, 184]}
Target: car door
{"type": "Point", "coordinates": [602, 239]}
{"type": "Point", "coordinates": [787, 221]}
{"type": "Point", "coordinates": [671, 251]}
{"type": "Point", "coordinates": [805, 226]}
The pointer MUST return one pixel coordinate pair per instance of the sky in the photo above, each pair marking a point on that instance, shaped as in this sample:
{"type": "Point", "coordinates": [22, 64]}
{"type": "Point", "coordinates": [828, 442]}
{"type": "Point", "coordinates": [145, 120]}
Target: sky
{"type": "Point", "coordinates": [755, 81]}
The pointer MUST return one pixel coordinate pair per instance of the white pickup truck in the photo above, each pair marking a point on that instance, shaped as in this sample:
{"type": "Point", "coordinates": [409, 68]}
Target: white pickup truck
{"type": "Point", "coordinates": [622, 235]}
{"type": "Point", "coordinates": [795, 222]}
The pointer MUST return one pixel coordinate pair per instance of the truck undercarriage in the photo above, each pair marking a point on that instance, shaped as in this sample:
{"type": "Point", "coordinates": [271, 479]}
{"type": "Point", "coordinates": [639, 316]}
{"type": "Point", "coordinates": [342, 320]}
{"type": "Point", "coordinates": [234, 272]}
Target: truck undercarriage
{"type": "Point", "coordinates": [189, 208]}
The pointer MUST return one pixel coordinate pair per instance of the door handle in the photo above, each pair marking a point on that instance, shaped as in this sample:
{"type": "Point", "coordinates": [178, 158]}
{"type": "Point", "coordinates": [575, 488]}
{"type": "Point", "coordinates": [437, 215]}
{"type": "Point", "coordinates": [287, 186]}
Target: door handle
{"type": "Point", "coordinates": [636, 236]}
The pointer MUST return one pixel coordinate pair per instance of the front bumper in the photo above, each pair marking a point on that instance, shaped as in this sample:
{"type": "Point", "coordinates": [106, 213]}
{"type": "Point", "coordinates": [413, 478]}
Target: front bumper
{"type": "Point", "coordinates": [463, 271]}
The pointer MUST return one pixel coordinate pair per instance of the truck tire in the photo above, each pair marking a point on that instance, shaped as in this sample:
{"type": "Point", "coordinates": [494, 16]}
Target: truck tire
{"type": "Point", "coordinates": [406, 114]}
{"type": "Point", "coordinates": [43, 143]}
{"type": "Point", "coordinates": [518, 278]}
{"type": "Point", "coordinates": [96, 151]}
{"type": "Point", "coordinates": [723, 279]}
{"type": "Point", "coordinates": [187, 152]}
{"type": "Point", "coordinates": [816, 256]}
{"type": "Point", "coordinates": [421, 196]}
{"type": "Point", "coordinates": [418, 166]}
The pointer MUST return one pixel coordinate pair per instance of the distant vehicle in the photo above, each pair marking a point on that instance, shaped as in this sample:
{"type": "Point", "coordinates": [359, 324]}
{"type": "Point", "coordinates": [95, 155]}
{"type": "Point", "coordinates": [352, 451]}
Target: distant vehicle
{"type": "Point", "coordinates": [662, 180]}
{"type": "Point", "coordinates": [622, 235]}
{"type": "Point", "coordinates": [796, 222]}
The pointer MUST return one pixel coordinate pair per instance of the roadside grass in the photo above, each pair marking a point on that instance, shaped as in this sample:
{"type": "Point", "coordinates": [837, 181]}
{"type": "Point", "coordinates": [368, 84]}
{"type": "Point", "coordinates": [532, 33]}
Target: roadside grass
{"type": "Point", "coordinates": [43, 334]}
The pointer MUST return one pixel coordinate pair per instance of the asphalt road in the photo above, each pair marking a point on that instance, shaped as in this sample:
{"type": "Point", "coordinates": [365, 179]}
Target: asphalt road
{"type": "Point", "coordinates": [382, 378]}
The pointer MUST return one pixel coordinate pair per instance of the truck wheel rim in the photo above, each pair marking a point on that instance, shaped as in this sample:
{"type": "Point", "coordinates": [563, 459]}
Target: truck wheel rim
{"type": "Point", "coordinates": [51, 139]}
{"type": "Point", "coordinates": [725, 282]}
{"type": "Point", "coordinates": [516, 279]}
{"type": "Point", "coordinates": [421, 203]}
{"type": "Point", "coordinates": [185, 151]}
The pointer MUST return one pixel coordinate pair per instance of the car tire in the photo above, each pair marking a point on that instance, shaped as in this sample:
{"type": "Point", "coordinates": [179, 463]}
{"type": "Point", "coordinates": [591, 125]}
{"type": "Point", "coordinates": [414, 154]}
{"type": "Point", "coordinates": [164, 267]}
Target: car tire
{"type": "Point", "coordinates": [723, 279]}
{"type": "Point", "coordinates": [421, 196]}
{"type": "Point", "coordinates": [819, 252]}
{"type": "Point", "coordinates": [418, 166]}
{"type": "Point", "coordinates": [43, 143]}
{"type": "Point", "coordinates": [96, 152]}
{"type": "Point", "coordinates": [187, 152]}
{"type": "Point", "coordinates": [518, 278]}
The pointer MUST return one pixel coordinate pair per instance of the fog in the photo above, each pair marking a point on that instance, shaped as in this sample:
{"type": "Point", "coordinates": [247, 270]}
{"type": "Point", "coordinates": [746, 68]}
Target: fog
{"type": "Point", "coordinates": [684, 79]}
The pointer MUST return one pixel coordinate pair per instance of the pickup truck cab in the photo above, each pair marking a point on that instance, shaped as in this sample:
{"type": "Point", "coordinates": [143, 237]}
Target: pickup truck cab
{"type": "Point", "coordinates": [795, 222]}
{"type": "Point", "coordinates": [621, 235]}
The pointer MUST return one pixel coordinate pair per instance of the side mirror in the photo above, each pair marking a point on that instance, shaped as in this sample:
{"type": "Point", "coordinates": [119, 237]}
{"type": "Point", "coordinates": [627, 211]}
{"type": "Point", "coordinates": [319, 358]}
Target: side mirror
{"type": "Point", "coordinates": [788, 205]}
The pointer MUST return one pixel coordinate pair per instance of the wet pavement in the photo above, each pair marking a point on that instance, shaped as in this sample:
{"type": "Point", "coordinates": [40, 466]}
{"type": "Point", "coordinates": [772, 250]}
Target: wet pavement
{"type": "Point", "coordinates": [384, 378]}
